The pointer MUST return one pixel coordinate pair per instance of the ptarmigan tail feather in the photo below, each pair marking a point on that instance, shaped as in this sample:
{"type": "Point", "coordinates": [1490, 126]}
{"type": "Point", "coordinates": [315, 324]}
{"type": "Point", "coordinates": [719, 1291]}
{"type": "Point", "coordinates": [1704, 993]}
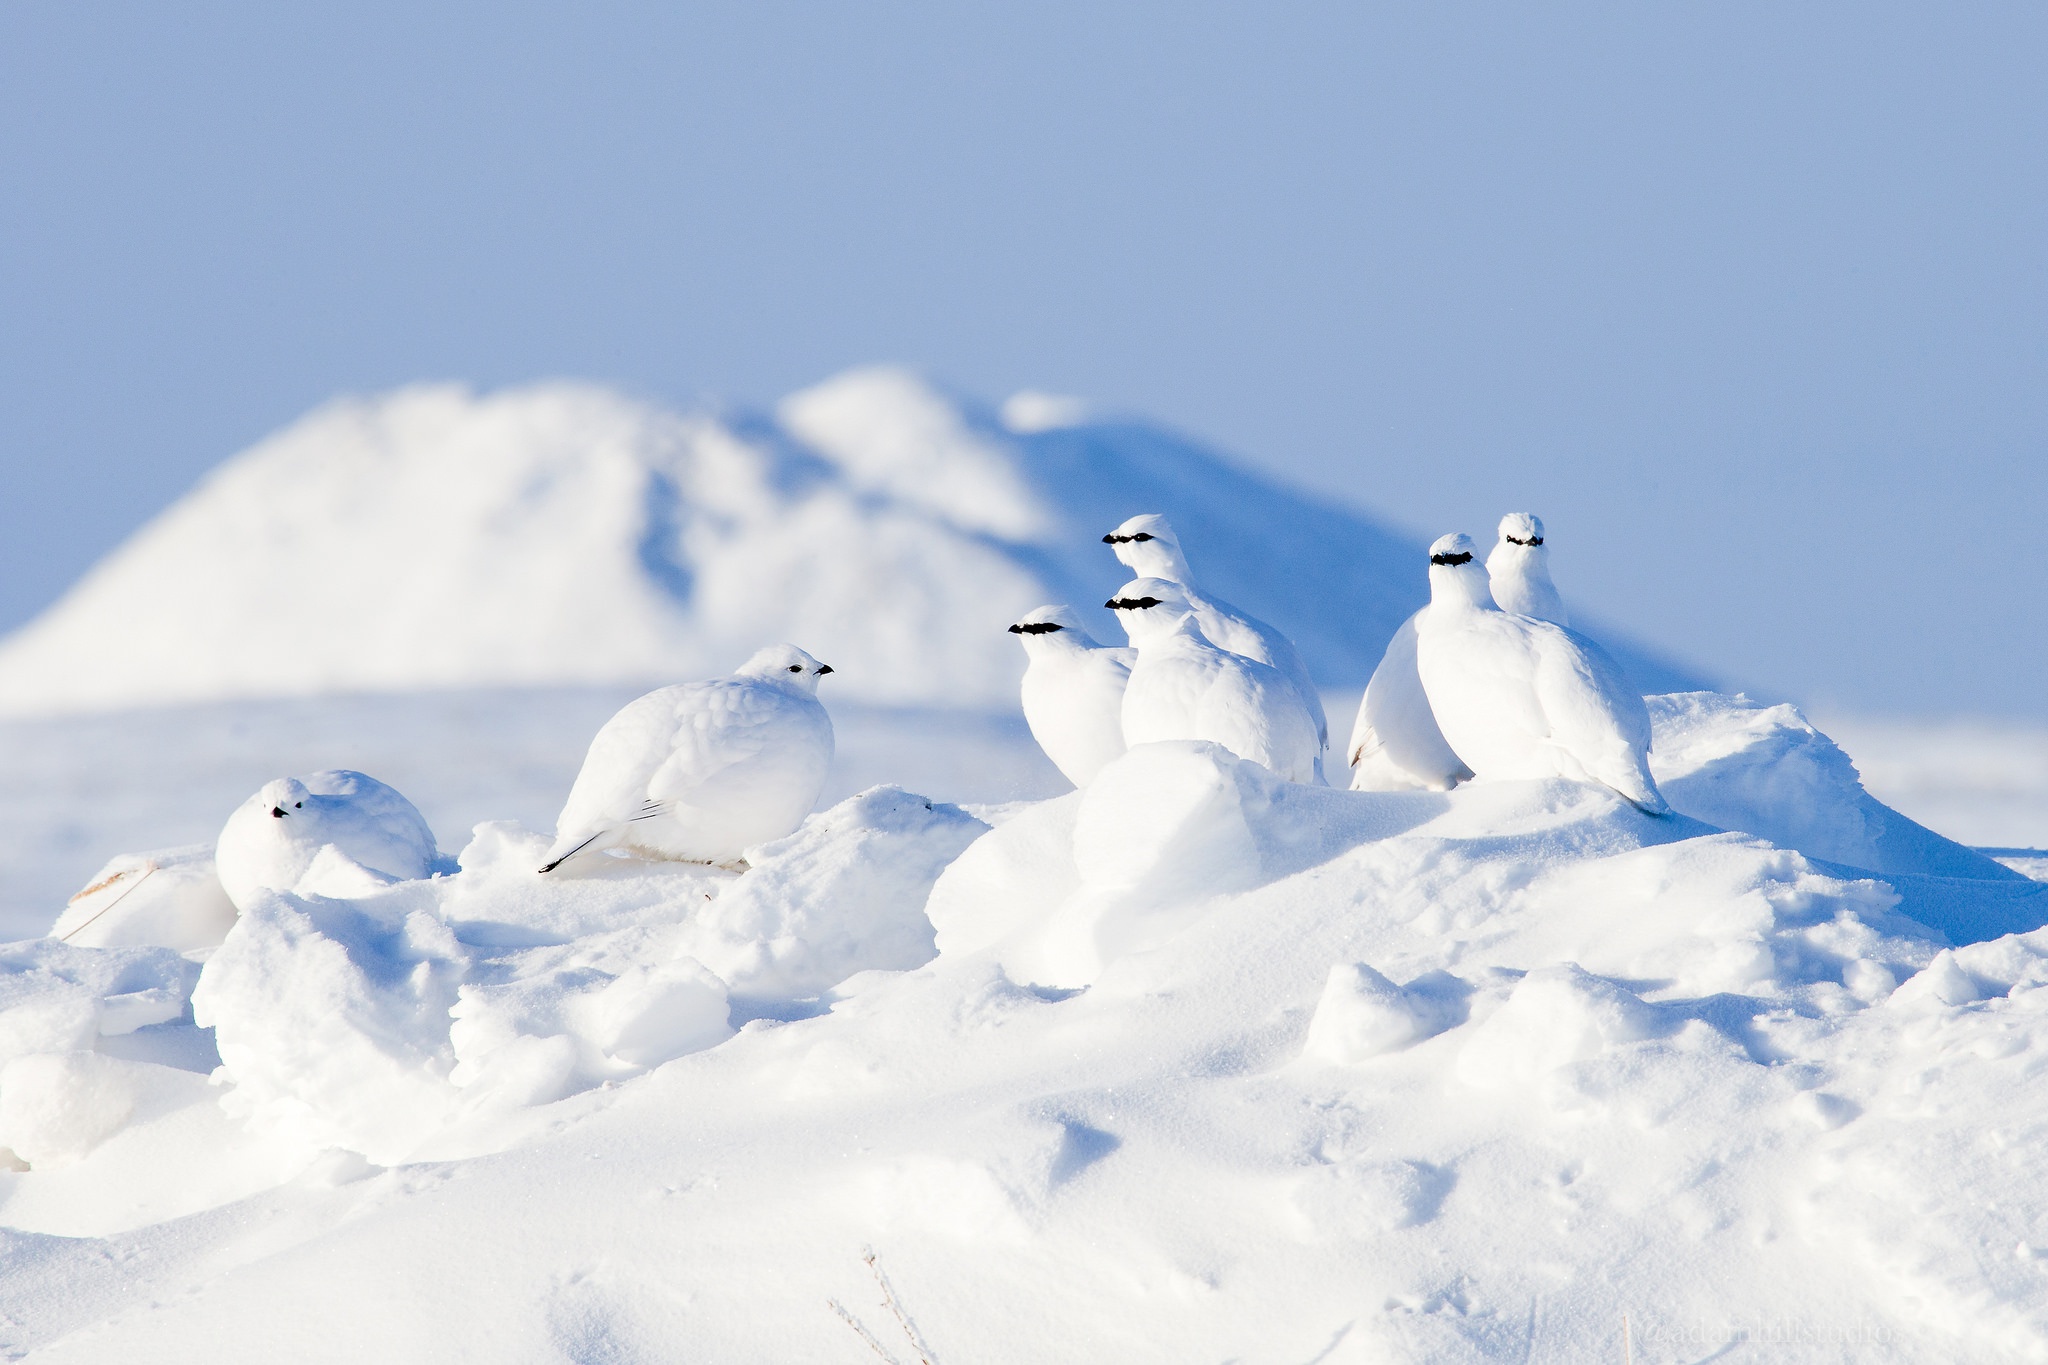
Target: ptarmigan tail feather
{"type": "Point", "coordinates": [554, 863]}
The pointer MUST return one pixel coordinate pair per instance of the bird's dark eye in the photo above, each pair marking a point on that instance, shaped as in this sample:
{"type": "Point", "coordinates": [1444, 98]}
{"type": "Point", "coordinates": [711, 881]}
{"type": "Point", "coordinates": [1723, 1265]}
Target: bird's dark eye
{"type": "Point", "coordinates": [1143, 535]}
{"type": "Point", "coordinates": [796, 668]}
{"type": "Point", "coordinates": [298, 805]}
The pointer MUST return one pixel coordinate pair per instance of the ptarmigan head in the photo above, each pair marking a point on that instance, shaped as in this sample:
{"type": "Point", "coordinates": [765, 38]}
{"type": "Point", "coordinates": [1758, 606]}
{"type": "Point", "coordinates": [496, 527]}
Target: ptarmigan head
{"type": "Point", "coordinates": [787, 665]}
{"type": "Point", "coordinates": [286, 798]}
{"type": "Point", "coordinates": [1521, 528]}
{"type": "Point", "coordinates": [1455, 575]}
{"type": "Point", "coordinates": [1149, 608]}
{"type": "Point", "coordinates": [1146, 543]}
{"type": "Point", "coordinates": [1050, 627]}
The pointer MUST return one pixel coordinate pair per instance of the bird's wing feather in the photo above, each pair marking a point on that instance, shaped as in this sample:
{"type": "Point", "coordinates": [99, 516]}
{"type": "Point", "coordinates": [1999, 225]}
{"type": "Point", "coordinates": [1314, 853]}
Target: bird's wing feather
{"type": "Point", "coordinates": [719, 725]}
{"type": "Point", "coordinates": [1594, 712]}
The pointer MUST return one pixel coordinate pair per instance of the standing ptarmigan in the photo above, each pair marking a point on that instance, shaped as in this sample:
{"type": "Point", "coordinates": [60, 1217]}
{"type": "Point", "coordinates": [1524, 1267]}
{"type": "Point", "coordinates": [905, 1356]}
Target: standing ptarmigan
{"type": "Point", "coordinates": [1518, 570]}
{"type": "Point", "coordinates": [1184, 687]}
{"type": "Point", "coordinates": [1521, 698]}
{"type": "Point", "coordinates": [700, 772]}
{"type": "Point", "coordinates": [274, 838]}
{"type": "Point", "coordinates": [1149, 547]}
{"type": "Point", "coordinates": [1073, 692]}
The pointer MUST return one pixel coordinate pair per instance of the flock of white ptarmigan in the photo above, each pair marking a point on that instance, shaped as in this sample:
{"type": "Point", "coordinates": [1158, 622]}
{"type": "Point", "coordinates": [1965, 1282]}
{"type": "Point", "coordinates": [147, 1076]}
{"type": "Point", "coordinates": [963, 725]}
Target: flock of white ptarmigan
{"type": "Point", "coordinates": [1487, 681]}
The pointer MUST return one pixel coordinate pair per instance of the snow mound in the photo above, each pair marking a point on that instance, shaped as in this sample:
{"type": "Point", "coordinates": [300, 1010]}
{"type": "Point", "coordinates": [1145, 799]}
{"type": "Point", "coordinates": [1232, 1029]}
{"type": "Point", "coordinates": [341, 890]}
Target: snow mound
{"type": "Point", "coordinates": [565, 534]}
{"type": "Point", "coordinates": [1763, 769]}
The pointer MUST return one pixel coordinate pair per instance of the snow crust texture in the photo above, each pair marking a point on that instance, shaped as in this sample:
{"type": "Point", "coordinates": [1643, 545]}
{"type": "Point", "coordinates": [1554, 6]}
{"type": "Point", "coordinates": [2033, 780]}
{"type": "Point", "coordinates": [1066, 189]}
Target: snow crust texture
{"type": "Point", "coordinates": [1191, 1064]}
{"type": "Point", "coordinates": [565, 534]}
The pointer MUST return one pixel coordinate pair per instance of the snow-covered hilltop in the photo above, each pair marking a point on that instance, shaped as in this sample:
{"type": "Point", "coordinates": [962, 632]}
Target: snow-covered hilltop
{"type": "Point", "coordinates": [563, 533]}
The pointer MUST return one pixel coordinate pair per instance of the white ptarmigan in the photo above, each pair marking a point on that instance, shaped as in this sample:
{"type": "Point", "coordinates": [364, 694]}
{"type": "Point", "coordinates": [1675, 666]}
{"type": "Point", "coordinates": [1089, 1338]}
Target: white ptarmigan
{"type": "Point", "coordinates": [1073, 692]}
{"type": "Point", "coordinates": [1396, 742]}
{"type": "Point", "coordinates": [701, 771]}
{"type": "Point", "coordinates": [1184, 687]}
{"type": "Point", "coordinates": [1518, 570]}
{"type": "Point", "coordinates": [277, 836]}
{"type": "Point", "coordinates": [1147, 544]}
{"type": "Point", "coordinates": [1521, 698]}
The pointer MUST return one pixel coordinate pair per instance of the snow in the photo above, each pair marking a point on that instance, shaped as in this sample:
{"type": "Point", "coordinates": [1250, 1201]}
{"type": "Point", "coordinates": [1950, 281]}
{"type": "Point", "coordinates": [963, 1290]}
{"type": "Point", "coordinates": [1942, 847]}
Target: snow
{"type": "Point", "coordinates": [1191, 1064]}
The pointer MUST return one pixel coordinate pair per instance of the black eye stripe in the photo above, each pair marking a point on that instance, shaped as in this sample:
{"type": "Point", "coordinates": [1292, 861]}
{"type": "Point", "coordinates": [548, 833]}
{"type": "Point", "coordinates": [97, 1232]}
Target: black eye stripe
{"type": "Point", "coordinates": [1463, 557]}
{"type": "Point", "coordinates": [1533, 540]}
{"type": "Point", "coordinates": [1114, 539]}
{"type": "Point", "coordinates": [1131, 603]}
{"type": "Point", "coordinates": [1036, 628]}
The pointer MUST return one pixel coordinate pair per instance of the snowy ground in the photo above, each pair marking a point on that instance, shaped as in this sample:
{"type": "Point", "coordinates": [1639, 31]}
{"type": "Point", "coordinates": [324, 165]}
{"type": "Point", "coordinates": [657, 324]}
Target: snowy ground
{"type": "Point", "coordinates": [1192, 1066]}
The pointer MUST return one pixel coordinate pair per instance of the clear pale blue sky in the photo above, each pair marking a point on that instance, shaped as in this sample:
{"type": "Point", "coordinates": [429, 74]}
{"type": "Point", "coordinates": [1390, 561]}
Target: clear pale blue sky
{"type": "Point", "coordinates": [1749, 300]}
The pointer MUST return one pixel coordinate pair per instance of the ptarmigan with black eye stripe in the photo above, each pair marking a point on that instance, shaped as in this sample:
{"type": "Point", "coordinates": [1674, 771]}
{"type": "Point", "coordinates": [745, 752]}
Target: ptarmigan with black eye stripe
{"type": "Point", "coordinates": [1519, 698]}
{"type": "Point", "coordinates": [1073, 692]}
{"type": "Point", "coordinates": [1183, 687]}
{"type": "Point", "coordinates": [700, 772]}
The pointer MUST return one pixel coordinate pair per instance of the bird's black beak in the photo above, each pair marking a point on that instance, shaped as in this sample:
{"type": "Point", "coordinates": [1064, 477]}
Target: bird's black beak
{"type": "Point", "coordinates": [823, 669]}
{"type": "Point", "coordinates": [1109, 539]}
{"type": "Point", "coordinates": [1016, 630]}
{"type": "Point", "coordinates": [1111, 604]}
{"type": "Point", "coordinates": [277, 812]}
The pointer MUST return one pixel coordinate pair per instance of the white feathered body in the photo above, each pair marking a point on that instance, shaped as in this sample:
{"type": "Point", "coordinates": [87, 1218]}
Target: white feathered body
{"type": "Point", "coordinates": [1396, 743]}
{"type": "Point", "coordinates": [1516, 697]}
{"type": "Point", "coordinates": [273, 839]}
{"type": "Point", "coordinates": [1224, 625]}
{"type": "Point", "coordinates": [1520, 578]}
{"type": "Point", "coordinates": [1073, 695]}
{"type": "Point", "coordinates": [1184, 687]}
{"type": "Point", "coordinates": [700, 771]}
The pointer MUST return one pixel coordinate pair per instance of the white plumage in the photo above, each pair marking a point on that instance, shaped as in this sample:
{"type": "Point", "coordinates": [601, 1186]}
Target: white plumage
{"type": "Point", "coordinates": [1396, 743]}
{"type": "Point", "coordinates": [1148, 545]}
{"type": "Point", "coordinates": [702, 771]}
{"type": "Point", "coordinates": [275, 837]}
{"type": "Point", "coordinates": [1521, 698]}
{"type": "Point", "coordinates": [1183, 687]}
{"type": "Point", "coordinates": [1518, 570]}
{"type": "Point", "coordinates": [1073, 692]}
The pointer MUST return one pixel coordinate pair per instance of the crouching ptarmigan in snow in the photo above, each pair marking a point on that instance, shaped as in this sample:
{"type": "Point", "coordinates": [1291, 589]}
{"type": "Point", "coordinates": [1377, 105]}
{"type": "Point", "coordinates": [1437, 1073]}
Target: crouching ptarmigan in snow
{"type": "Point", "coordinates": [1073, 692]}
{"type": "Point", "coordinates": [1396, 741]}
{"type": "Point", "coordinates": [1521, 698]}
{"type": "Point", "coordinates": [1149, 547]}
{"type": "Point", "coordinates": [1184, 687]}
{"type": "Point", "coordinates": [700, 772]}
{"type": "Point", "coordinates": [275, 837]}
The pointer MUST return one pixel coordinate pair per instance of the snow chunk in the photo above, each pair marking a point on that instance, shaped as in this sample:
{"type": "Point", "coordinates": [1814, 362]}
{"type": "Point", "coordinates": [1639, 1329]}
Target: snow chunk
{"type": "Point", "coordinates": [332, 1019]}
{"type": "Point", "coordinates": [169, 898]}
{"type": "Point", "coordinates": [844, 894]}
{"type": "Point", "coordinates": [56, 1107]}
{"type": "Point", "coordinates": [1362, 1014]}
{"type": "Point", "coordinates": [58, 998]}
{"type": "Point", "coordinates": [1556, 1016]}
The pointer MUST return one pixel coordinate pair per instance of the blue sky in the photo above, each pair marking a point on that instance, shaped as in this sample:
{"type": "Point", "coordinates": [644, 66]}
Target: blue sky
{"type": "Point", "coordinates": [1749, 300]}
